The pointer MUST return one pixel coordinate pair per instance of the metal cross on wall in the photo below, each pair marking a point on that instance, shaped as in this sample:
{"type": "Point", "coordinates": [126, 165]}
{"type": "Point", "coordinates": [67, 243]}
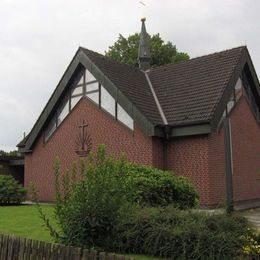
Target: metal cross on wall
{"type": "Point", "coordinates": [83, 140]}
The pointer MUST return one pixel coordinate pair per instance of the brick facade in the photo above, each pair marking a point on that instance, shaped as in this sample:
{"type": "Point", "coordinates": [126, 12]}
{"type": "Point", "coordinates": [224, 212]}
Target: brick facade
{"type": "Point", "coordinates": [246, 153]}
{"type": "Point", "coordinates": [103, 128]}
{"type": "Point", "coordinates": [200, 158]}
{"type": "Point", "coordinates": [188, 156]}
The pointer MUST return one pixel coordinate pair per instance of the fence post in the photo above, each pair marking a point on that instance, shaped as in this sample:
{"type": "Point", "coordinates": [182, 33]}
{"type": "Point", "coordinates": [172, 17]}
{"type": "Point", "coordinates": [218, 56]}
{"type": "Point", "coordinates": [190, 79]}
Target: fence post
{"type": "Point", "coordinates": [21, 249]}
{"type": "Point", "coordinates": [102, 256]}
{"type": "Point", "coordinates": [85, 254]}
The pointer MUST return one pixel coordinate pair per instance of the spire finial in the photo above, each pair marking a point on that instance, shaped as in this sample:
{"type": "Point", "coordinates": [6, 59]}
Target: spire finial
{"type": "Point", "coordinates": [144, 55]}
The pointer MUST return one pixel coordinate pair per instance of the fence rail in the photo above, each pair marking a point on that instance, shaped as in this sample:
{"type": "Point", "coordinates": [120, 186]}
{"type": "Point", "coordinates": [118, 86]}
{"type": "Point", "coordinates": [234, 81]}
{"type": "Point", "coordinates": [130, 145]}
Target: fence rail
{"type": "Point", "coordinates": [16, 248]}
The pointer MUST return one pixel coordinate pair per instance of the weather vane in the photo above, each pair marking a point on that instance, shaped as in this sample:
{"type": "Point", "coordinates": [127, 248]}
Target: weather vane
{"type": "Point", "coordinates": [143, 6]}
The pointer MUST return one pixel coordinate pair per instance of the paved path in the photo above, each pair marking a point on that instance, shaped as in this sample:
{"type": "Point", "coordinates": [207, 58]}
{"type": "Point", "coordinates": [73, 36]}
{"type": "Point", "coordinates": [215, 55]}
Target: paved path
{"type": "Point", "coordinates": [253, 215]}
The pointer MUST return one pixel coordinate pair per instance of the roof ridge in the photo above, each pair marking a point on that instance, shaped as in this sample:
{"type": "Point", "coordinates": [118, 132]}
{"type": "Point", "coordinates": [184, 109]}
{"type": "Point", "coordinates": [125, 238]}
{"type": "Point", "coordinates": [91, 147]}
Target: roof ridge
{"type": "Point", "coordinates": [111, 59]}
{"type": "Point", "coordinates": [157, 102]}
{"type": "Point", "coordinates": [198, 57]}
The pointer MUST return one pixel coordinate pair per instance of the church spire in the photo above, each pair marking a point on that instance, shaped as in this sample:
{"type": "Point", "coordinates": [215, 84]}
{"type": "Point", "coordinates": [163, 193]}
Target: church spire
{"type": "Point", "coordinates": [144, 54]}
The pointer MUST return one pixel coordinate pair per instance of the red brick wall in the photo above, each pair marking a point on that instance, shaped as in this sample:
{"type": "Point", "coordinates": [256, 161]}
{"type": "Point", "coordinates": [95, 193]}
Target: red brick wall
{"type": "Point", "coordinates": [216, 162]}
{"type": "Point", "coordinates": [158, 153]}
{"type": "Point", "coordinates": [188, 156]}
{"type": "Point", "coordinates": [103, 128]}
{"type": "Point", "coordinates": [246, 153]}
{"type": "Point", "coordinates": [201, 159]}
{"type": "Point", "coordinates": [245, 136]}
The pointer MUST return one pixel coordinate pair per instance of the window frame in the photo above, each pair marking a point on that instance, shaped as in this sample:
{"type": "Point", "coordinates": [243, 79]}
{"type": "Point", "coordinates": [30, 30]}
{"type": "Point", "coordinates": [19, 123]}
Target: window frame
{"type": "Point", "coordinates": [69, 97]}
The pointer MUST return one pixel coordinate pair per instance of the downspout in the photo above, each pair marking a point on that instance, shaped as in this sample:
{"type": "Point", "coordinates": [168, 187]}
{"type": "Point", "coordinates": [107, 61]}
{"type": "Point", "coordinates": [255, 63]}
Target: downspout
{"type": "Point", "coordinates": [228, 165]}
{"type": "Point", "coordinates": [165, 143]}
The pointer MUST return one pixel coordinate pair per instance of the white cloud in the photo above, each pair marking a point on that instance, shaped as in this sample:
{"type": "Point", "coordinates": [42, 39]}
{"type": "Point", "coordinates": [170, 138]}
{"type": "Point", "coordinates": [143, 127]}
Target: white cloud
{"type": "Point", "coordinates": [39, 38]}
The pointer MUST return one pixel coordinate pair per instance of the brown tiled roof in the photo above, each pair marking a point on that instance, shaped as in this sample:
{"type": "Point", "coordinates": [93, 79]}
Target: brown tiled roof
{"type": "Point", "coordinates": [189, 91]}
{"type": "Point", "coordinates": [131, 81]}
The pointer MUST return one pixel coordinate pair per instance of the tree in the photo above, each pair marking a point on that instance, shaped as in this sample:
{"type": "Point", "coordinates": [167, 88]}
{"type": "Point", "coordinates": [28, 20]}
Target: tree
{"type": "Point", "coordinates": [125, 50]}
{"type": "Point", "coordinates": [13, 153]}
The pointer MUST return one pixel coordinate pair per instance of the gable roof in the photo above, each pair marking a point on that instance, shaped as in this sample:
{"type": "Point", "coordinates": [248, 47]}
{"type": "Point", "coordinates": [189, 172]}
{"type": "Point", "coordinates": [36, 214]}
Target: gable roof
{"type": "Point", "coordinates": [131, 81]}
{"type": "Point", "coordinates": [189, 93]}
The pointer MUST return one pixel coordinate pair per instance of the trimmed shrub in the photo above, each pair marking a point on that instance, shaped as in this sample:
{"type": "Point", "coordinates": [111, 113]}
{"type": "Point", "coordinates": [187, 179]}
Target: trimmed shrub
{"type": "Point", "coordinates": [168, 232]}
{"type": "Point", "coordinates": [155, 187]}
{"type": "Point", "coordinates": [11, 192]}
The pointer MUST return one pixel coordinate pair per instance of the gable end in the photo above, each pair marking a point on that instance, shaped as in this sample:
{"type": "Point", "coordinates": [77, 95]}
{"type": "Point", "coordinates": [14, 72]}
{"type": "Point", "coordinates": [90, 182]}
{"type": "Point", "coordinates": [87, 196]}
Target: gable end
{"type": "Point", "coordinates": [243, 68]}
{"type": "Point", "coordinates": [80, 61]}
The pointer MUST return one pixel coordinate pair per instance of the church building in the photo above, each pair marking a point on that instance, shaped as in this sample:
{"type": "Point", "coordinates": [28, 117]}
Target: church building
{"type": "Point", "coordinates": [199, 118]}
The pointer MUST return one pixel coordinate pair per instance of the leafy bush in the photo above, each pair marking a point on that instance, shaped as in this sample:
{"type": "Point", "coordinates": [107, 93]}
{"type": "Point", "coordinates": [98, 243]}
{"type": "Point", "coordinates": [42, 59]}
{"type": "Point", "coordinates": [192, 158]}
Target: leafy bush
{"type": "Point", "coordinates": [91, 199]}
{"type": "Point", "coordinates": [103, 204]}
{"type": "Point", "coordinates": [11, 192]}
{"type": "Point", "coordinates": [88, 210]}
{"type": "Point", "coordinates": [168, 232]}
{"type": "Point", "coordinates": [155, 187]}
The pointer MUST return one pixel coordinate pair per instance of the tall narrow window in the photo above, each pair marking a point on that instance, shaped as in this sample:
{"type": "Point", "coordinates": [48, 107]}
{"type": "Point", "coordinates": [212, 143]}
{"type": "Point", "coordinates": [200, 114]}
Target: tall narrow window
{"type": "Point", "coordinates": [50, 128]}
{"type": "Point", "coordinates": [93, 91]}
{"type": "Point", "coordinates": [63, 112]}
{"type": "Point", "coordinates": [107, 101]}
{"type": "Point", "coordinates": [238, 89]}
{"type": "Point", "coordinates": [124, 117]}
{"type": "Point", "coordinates": [231, 102]}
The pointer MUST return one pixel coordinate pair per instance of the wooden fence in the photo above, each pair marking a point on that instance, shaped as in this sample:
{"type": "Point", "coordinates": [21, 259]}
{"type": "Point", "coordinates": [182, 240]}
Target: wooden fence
{"type": "Point", "coordinates": [15, 248]}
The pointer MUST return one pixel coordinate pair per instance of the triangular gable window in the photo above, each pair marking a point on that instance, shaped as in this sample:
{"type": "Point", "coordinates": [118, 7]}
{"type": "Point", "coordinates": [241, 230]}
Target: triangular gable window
{"type": "Point", "coordinates": [237, 94]}
{"type": "Point", "coordinates": [233, 99]}
{"type": "Point", "coordinates": [108, 102]}
{"type": "Point", "coordinates": [88, 86]}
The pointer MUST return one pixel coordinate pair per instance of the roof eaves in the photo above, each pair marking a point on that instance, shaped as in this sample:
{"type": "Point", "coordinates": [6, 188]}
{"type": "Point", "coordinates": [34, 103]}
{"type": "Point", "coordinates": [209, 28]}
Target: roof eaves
{"type": "Point", "coordinates": [81, 58]}
{"type": "Point", "coordinates": [218, 109]}
{"type": "Point", "coordinates": [52, 100]}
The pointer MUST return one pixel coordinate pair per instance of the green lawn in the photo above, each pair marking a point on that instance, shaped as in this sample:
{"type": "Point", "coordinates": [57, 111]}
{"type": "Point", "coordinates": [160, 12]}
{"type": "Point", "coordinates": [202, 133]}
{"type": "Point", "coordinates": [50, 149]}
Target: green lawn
{"type": "Point", "coordinates": [24, 221]}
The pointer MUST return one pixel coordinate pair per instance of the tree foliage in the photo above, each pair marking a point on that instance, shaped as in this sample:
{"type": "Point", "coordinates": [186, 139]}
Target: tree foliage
{"type": "Point", "coordinates": [125, 50]}
{"type": "Point", "coordinates": [11, 192]}
{"type": "Point", "coordinates": [13, 153]}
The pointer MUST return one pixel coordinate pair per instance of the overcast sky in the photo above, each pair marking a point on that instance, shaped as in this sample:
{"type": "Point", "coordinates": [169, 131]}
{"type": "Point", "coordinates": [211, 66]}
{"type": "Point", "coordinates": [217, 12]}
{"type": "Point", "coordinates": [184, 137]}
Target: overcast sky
{"type": "Point", "coordinates": [39, 38]}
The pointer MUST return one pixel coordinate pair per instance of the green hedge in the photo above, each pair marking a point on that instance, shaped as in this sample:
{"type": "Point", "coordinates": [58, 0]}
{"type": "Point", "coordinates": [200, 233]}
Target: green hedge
{"type": "Point", "coordinates": [90, 206]}
{"type": "Point", "coordinates": [11, 192]}
{"type": "Point", "coordinates": [168, 232]}
{"type": "Point", "coordinates": [155, 187]}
